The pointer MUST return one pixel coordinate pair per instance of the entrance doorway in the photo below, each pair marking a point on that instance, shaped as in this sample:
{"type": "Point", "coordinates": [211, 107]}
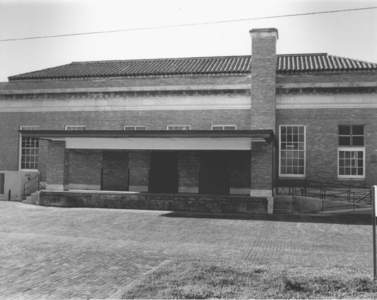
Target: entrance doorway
{"type": "Point", "coordinates": [115, 173]}
{"type": "Point", "coordinates": [163, 176]}
{"type": "Point", "coordinates": [214, 173]}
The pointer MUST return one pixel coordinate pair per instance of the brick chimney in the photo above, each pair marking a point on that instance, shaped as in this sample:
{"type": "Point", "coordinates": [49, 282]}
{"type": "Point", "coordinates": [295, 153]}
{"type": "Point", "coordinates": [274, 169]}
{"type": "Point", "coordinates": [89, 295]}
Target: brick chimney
{"type": "Point", "coordinates": [263, 78]}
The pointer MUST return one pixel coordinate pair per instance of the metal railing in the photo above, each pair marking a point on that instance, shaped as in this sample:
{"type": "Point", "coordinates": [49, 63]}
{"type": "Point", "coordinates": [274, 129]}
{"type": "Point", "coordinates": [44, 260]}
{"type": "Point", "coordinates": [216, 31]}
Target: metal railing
{"type": "Point", "coordinates": [322, 196]}
{"type": "Point", "coordinates": [31, 185]}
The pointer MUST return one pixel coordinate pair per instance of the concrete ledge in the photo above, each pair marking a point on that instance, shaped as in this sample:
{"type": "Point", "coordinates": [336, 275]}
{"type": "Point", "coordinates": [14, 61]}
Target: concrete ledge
{"type": "Point", "coordinates": [76, 186]}
{"type": "Point", "coordinates": [172, 202]}
{"type": "Point", "coordinates": [138, 188]}
{"type": "Point", "coordinates": [188, 189]}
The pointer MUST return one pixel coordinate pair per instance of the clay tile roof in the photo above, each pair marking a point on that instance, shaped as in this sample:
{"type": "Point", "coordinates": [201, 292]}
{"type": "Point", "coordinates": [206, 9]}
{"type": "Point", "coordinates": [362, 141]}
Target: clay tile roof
{"type": "Point", "coordinates": [286, 63]}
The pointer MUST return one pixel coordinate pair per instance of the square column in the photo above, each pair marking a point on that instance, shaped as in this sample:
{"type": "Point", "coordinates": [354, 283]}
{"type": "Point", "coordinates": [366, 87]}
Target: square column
{"type": "Point", "coordinates": [139, 165]}
{"type": "Point", "coordinates": [188, 172]}
{"type": "Point", "coordinates": [57, 166]}
{"type": "Point", "coordinates": [262, 173]}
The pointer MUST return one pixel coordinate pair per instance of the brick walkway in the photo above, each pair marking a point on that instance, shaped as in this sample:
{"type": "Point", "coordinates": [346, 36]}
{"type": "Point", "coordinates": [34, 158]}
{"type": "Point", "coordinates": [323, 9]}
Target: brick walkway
{"type": "Point", "coordinates": [80, 253]}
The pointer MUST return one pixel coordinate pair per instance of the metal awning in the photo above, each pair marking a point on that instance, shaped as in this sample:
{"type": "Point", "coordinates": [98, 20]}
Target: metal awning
{"type": "Point", "coordinates": [155, 139]}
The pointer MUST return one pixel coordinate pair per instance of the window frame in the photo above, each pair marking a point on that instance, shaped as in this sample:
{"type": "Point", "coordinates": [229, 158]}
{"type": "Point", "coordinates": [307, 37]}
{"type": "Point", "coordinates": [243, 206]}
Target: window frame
{"type": "Point", "coordinates": [351, 149]}
{"type": "Point", "coordinates": [279, 163]}
{"type": "Point", "coordinates": [23, 127]}
{"type": "Point", "coordinates": [223, 127]}
{"type": "Point", "coordinates": [135, 127]}
{"type": "Point", "coordinates": [178, 125]}
{"type": "Point", "coordinates": [74, 126]}
{"type": "Point", "coordinates": [351, 136]}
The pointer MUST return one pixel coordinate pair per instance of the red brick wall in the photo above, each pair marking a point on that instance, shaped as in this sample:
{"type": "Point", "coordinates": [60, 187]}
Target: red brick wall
{"type": "Point", "coordinates": [115, 170]}
{"type": "Point", "coordinates": [239, 169]}
{"type": "Point", "coordinates": [56, 163]}
{"type": "Point", "coordinates": [322, 139]}
{"type": "Point", "coordinates": [263, 81]}
{"type": "Point", "coordinates": [188, 171]}
{"type": "Point", "coordinates": [261, 166]}
{"type": "Point", "coordinates": [10, 122]}
{"type": "Point", "coordinates": [84, 168]}
{"type": "Point", "coordinates": [139, 164]}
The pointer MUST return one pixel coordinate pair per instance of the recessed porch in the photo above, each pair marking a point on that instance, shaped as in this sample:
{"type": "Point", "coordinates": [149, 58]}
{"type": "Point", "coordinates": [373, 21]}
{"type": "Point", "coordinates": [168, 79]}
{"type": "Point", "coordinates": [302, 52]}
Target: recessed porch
{"type": "Point", "coordinates": [184, 165]}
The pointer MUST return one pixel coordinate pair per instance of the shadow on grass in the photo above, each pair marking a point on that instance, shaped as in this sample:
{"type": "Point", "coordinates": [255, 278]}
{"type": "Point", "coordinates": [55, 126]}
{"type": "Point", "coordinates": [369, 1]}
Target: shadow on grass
{"type": "Point", "coordinates": [344, 218]}
{"type": "Point", "coordinates": [201, 280]}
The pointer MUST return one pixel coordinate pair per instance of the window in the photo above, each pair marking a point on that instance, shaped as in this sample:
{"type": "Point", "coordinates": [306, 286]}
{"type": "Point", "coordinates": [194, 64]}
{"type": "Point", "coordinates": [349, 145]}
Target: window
{"type": "Point", "coordinates": [292, 154]}
{"type": "Point", "coordinates": [351, 151]}
{"type": "Point", "coordinates": [178, 127]}
{"type": "Point", "coordinates": [351, 135]}
{"type": "Point", "coordinates": [134, 127]}
{"type": "Point", "coordinates": [29, 149]}
{"type": "Point", "coordinates": [351, 162]}
{"type": "Point", "coordinates": [74, 127]}
{"type": "Point", "coordinates": [223, 127]}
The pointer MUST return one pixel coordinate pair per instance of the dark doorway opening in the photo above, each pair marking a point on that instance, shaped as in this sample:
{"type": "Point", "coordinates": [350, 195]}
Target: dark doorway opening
{"type": "Point", "coordinates": [214, 173]}
{"type": "Point", "coordinates": [163, 176]}
{"type": "Point", "coordinates": [115, 174]}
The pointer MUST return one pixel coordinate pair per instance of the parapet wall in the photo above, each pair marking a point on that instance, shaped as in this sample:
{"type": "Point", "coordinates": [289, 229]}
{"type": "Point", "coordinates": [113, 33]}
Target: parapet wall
{"type": "Point", "coordinates": [174, 202]}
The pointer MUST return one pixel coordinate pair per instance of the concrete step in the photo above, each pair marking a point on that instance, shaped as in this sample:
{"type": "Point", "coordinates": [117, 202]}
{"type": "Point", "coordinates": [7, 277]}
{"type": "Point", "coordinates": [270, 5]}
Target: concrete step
{"type": "Point", "coordinates": [32, 199]}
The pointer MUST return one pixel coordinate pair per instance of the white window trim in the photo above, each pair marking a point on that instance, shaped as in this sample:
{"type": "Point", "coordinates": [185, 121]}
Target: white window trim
{"type": "Point", "coordinates": [74, 126]}
{"type": "Point", "coordinates": [348, 148]}
{"type": "Point", "coordinates": [279, 166]}
{"type": "Point", "coordinates": [223, 126]}
{"type": "Point", "coordinates": [134, 126]}
{"type": "Point", "coordinates": [20, 147]}
{"type": "Point", "coordinates": [178, 125]}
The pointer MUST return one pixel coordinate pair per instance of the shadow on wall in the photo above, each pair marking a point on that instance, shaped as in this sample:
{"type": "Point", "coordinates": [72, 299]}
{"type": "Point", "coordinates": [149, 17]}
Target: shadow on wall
{"type": "Point", "coordinates": [344, 218]}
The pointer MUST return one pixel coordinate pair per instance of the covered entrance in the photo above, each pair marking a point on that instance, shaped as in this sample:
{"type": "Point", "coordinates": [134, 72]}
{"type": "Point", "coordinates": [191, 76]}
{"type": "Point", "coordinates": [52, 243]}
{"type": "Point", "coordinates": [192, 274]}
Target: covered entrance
{"type": "Point", "coordinates": [114, 171]}
{"type": "Point", "coordinates": [214, 173]}
{"type": "Point", "coordinates": [163, 175]}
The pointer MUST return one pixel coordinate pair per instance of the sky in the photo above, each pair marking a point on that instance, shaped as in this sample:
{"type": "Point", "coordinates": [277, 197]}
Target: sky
{"type": "Point", "coordinates": [349, 34]}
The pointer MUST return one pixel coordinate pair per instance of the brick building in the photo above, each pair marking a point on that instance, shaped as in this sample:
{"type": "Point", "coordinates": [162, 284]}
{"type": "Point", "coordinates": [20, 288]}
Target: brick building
{"type": "Point", "coordinates": [231, 125]}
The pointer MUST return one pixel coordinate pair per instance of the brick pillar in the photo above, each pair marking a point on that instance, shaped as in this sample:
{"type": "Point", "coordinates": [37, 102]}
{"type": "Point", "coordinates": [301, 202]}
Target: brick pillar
{"type": "Point", "coordinates": [188, 172]}
{"type": "Point", "coordinates": [56, 175]}
{"type": "Point", "coordinates": [139, 165]}
{"type": "Point", "coordinates": [263, 107]}
{"type": "Point", "coordinates": [261, 173]}
{"type": "Point", "coordinates": [263, 78]}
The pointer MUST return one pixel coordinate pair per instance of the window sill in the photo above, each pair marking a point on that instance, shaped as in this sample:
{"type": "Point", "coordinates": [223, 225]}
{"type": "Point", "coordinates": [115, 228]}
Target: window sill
{"type": "Point", "coordinates": [351, 178]}
{"type": "Point", "coordinates": [292, 176]}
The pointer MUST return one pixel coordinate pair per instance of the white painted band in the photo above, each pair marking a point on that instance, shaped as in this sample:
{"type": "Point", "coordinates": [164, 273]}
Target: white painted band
{"type": "Point", "coordinates": [131, 103]}
{"type": "Point", "coordinates": [318, 101]}
{"type": "Point", "coordinates": [159, 143]}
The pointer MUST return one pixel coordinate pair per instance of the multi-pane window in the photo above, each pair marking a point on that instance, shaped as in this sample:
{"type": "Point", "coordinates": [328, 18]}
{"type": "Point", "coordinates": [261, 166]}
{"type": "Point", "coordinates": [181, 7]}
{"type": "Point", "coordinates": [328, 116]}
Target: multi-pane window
{"type": "Point", "coordinates": [29, 149]}
{"type": "Point", "coordinates": [223, 127]}
{"type": "Point", "coordinates": [29, 152]}
{"type": "Point", "coordinates": [351, 151]}
{"type": "Point", "coordinates": [134, 127]}
{"type": "Point", "coordinates": [178, 127]}
{"type": "Point", "coordinates": [74, 127]}
{"type": "Point", "coordinates": [292, 150]}
{"type": "Point", "coordinates": [351, 135]}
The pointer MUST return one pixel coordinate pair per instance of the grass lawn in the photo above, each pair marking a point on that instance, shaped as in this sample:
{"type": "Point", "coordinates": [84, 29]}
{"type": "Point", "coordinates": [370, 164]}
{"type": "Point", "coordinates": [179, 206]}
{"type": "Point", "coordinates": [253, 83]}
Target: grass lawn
{"type": "Point", "coordinates": [56, 253]}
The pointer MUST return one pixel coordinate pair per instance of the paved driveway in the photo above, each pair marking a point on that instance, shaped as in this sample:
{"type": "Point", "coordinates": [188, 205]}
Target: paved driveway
{"type": "Point", "coordinates": [50, 252]}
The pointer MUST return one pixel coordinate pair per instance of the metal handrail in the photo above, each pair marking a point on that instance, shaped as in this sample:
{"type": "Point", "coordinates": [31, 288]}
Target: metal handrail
{"type": "Point", "coordinates": [331, 195]}
{"type": "Point", "coordinates": [31, 185]}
